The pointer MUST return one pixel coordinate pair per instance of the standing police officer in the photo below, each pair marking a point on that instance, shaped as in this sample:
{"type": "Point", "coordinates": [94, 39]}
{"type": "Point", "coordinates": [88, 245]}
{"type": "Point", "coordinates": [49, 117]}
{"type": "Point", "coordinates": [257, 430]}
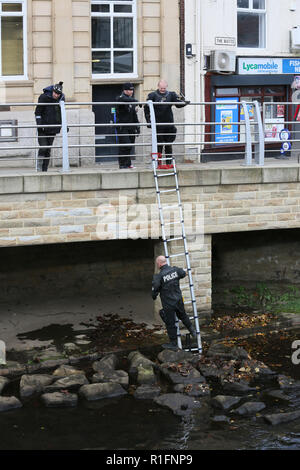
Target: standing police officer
{"type": "Point", "coordinates": [48, 115]}
{"type": "Point", "coordinates": [126, 114]}
{"type": "Point", "coordinates": [166, 283]}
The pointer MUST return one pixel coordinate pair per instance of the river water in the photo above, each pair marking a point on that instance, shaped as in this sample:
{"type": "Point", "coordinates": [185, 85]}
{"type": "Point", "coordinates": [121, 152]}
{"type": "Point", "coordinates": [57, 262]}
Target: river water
{"type": "Point", "coordinates": [127, 423]}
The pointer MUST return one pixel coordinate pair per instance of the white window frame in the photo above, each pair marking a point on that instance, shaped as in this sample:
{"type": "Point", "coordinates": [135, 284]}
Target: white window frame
{"type": "Point", "coordinates": [23, 14]}
{"type": "Point", "coordinates": [111, 14]}
{"type": "Point", "coordinates": [262, 30]}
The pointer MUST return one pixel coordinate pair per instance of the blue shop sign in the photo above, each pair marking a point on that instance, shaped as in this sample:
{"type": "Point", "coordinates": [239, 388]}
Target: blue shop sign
{"type": "Point", "coordinates": [291, 65]}
{"type": "Point", "coordinates": [227, 113]}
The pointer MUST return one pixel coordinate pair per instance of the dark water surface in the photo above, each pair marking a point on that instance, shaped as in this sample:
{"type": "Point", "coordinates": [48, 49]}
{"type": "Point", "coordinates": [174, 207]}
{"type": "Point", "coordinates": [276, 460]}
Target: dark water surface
{"type": "Point", "coordinates": [127, 423]}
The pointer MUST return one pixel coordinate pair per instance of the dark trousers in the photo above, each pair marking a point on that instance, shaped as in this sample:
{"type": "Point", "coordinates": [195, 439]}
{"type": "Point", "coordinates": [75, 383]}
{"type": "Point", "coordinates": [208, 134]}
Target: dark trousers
{"type": "Point", "coordinates": [126, 149]}
{"type": "Point", "coordinates": [168, 316]}
{"type": "Point", "coordinates": [44, 154]}
{"type": "Point", "coordinates": [166, 134]}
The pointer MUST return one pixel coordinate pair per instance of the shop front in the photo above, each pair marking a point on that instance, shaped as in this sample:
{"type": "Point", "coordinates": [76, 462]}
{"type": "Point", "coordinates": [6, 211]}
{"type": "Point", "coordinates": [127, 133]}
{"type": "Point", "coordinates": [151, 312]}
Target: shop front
{"type": "Point", "coordinates": [266, 80]}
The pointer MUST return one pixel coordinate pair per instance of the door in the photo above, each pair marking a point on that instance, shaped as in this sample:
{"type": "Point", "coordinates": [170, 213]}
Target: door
{"type": "Point", "coordinates": [105, 114]}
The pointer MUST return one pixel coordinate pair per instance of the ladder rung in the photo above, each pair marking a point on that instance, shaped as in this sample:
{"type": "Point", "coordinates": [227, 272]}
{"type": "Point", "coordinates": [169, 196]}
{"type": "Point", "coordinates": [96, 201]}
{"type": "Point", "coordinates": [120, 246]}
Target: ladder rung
{"type": "Point", "coordinates": [174, 223]}
{"type": "Point", "coordinates": [170, 207]}
{"type": "Point", "coordinates": [168, 190]}
{"type": "Point", "coordinates": [166, 174]}
{"type": "Point", "coordinates": [178, 254]}
{"type": "Point", "coordinates": [174, 239]}
{"type": "Point", "coordinates": [194, 349]}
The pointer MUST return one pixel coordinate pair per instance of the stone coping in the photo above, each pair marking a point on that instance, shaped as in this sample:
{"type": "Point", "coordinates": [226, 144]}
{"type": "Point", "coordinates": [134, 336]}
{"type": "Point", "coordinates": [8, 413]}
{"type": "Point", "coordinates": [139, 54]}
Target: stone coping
{"type": "Point", "coordinates": [101, 179]}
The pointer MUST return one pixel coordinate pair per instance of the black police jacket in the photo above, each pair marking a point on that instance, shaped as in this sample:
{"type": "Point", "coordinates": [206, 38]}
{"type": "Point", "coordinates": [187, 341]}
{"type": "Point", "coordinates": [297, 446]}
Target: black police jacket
{"type": "Point", "coordinates": [49, 114]}
{"type": "Point", "coordinates": [166, 283]}
{"type": "Point", "coordinates": [126, 113]}
{"type": "Point", "coordinates": [163, 113]}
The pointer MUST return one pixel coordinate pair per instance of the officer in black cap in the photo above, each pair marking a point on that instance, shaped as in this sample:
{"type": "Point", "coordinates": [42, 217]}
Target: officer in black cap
{"type": "Point", "coordinates": [127, 114]}
{"type": "Point", "coordinates": [47, 115]}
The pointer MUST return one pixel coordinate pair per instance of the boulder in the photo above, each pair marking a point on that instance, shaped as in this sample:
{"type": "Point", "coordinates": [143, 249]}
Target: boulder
{"type": "Point", "coordinates": [109, 361]}
{"type": "Point", "coordinates": [3, 382]}
{"type": "Point", "coordinates": [66, 370]}
{"type": "Point", "coordinates": [32, 384]}
{"type": "Point", "coordinates": [279, 418]}
{"type": "Point", "coordinates": [9, 403]}
{"type": "Point", "coordinates": [167, 355]}
{"type": "Point", "coordinates": [141, 369]}
{"type": "Point", "coordinates": [277, 395]}
{"type": "Point", "coordinates": [240, 387]}
{"type": "Point", "coordinates": [227, 352]}
{"type": "Point", "coordinates": [112, 376]}
{"type": "Point", "coordinates": [71, 383]}
{"type": "Point", "coordinates": [224, 402]}
{"type": "Point", "coordinates": [287, 383]}
{"type": "Point", "coordinates": [146, 392]}
{"type": "Point", "coordinates": [59, 399]}
{"type": "Point", "coordinates": [98, 391]}
{"type": "Point", "coordinates": [193, 390]}
{"type": "Point", "coordinates": [179, 404]}
{"type": "Point", "coordinates": [250, 408]}
{"type": "Point", "coordinates": [181, 373]}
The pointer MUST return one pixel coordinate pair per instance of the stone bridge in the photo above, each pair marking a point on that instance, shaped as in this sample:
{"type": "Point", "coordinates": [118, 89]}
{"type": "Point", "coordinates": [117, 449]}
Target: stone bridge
{"type": "Point", "coordinates": [94, 205]}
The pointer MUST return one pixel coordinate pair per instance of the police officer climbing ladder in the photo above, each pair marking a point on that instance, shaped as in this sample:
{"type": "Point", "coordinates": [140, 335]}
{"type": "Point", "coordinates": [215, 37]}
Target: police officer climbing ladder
{"type": "Point", "coordinates": [169, 275]}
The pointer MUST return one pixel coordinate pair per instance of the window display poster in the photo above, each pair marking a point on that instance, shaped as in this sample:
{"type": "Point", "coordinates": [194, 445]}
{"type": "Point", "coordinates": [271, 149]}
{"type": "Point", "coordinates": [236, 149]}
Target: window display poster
{"type": "Point", "coordinates": [227, 115]}
{"type": "Point", "coordinates": [273, 127]}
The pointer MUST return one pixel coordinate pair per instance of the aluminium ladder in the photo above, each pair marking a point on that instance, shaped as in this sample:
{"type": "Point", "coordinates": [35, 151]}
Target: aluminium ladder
{"type": "Point", "coordinates": [168, 241]}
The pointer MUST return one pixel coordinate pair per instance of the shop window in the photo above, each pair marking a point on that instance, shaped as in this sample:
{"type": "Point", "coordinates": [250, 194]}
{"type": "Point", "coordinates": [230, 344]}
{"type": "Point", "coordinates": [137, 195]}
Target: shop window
{"type": "Point", "coordinates": [251, 23]}
{"type": "Point", "coordinates": [113, 38]}
{"type": "Point", "coordinates": [13, 38]}
{"type": "Point", "coordinates": [270, 99]}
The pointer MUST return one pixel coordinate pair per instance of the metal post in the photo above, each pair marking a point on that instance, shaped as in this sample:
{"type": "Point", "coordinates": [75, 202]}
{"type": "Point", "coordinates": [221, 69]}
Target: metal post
{"type": "Point", "coordinates": [259, 131]}
{"type": "Point", "coordinates": [64, 130]}
{"type": "Point", "coordinates": [248, 149]}
{"type": "Point", "coordinates": [153, 128]}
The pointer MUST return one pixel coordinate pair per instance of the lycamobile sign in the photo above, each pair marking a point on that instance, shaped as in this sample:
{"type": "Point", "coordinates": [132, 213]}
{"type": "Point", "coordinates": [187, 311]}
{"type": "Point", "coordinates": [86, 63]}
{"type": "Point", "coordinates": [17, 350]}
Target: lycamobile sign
{"type": "Point", "coordinates": [260, 66]}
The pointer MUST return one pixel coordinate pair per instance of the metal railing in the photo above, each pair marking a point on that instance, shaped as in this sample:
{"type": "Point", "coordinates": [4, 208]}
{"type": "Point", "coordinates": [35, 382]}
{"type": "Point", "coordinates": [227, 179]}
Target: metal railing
{"type": "Point", "coordinates": [205, 131]}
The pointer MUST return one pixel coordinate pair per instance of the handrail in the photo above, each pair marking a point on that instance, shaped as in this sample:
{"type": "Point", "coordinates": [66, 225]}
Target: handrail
{"type": "Point", "coordinates": [220, 134]}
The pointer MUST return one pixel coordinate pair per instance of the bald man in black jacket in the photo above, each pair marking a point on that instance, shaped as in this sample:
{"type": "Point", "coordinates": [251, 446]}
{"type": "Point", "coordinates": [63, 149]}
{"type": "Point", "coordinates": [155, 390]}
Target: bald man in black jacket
{"type": "Point", "coordinates": [166, 283]}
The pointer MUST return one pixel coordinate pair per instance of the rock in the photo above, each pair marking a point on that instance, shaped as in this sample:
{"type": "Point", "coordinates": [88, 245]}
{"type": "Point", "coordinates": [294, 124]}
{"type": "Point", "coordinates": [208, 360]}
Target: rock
{"type": "Point", "coordinates": [109, 361]}
{"type": "Point", "coordinates": [240, 387]}
{"type": "Point", "coordinates": [279, 418]}
{"type": "Point", "coordinates": [224, 402]}
{"type": "Point", "coordinates": [66, 370]}
{"type": "Point", "coordinates": [52, 364]}
{"type": "Point", "coordinates": [99, 391]}
{"type": "Point", "coordinates": [181, 373]}
{"type": "Point", "coordinates": [249, 408]}
{"type": "Point", "coordinates": [220, 371]}
{"type": "Point", "coordinates": [70, 348]}
{"type": "Point", "coordinates": [141, 368]}
{"type": "Point", "coordinates": [146, 392]}
{"type": "Point", "coordinates": [277, 395]}
{"type": "Point", "coordinates": [193, 390]}
{"type": "Point", "coordinates": [113, 376]}
{"type": "Point", "coordinates": [145, 375]}
{"type": "Point", "coordinates": [71, 383]}
{"type": "Point", "coordinates": [287, 383]}
{"type": "Point", "coordinates": [220, 419]}
{"type": "Point", "coordinates": [31, 384]}
{"type": "Point", "coordinates": [58, 399]}
{"type": "Point", "coordinates": [3, 382]}
{"type": "Point", "coordinates": [227, 352]}
{"type": "Point", "coordinates": [9, 403]}
{"type": "Point", "coordinates": [179, 404]}
{"type": "Point", "coordinates": [168, 355]}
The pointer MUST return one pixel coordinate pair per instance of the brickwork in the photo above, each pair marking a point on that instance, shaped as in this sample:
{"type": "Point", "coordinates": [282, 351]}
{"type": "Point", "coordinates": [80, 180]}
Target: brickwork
{"type": "Point", "coordinates": [99, 205]}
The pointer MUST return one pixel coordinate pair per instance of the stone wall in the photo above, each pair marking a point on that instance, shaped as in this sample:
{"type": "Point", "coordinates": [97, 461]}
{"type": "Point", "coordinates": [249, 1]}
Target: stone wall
{"type": "Point", "coordinates": [101, 205]}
